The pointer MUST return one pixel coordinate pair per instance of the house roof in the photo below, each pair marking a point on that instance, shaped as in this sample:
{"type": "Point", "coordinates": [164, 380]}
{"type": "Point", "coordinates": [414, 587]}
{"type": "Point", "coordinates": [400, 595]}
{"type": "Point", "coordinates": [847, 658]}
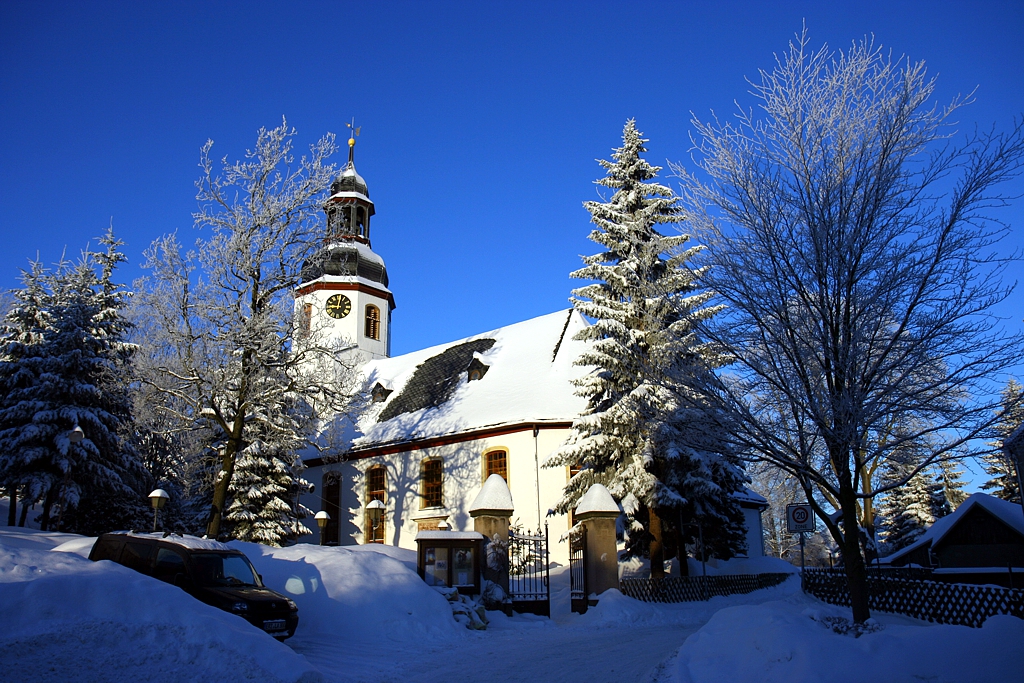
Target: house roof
{"type": "Point", "coordinates": [528, 379]}
{"type": "Point", "coordinates": [748, 498]}
{"type": "Point", "coordinates": [1007, 512]}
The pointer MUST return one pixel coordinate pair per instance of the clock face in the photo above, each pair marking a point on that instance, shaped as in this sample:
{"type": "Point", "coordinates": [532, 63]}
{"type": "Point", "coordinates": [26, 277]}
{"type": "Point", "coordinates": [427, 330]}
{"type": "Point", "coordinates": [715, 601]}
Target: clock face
{"type": "Point", "coordinates": [338, 306]}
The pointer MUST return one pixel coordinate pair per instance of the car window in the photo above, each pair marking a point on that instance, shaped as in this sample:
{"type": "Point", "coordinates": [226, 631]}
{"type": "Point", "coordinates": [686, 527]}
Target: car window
{"type": "Point", "coordinates": [105, 549]}
{"type": "Point", "coordinates": [223, 570]}
{"type": "Point", "coordinates": [168, 565]}
{"type": "Point", "coordinates": [137, 556]}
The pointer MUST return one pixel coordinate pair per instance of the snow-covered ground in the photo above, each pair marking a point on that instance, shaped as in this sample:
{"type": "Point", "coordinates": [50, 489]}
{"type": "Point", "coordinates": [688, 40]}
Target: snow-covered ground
{"type": "Point", "coordinates": [366, 616]}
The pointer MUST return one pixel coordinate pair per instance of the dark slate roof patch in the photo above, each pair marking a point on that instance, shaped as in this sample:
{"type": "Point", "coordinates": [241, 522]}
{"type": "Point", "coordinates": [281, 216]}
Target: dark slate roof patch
{"type": "Point", "coordinates": [434, 381]}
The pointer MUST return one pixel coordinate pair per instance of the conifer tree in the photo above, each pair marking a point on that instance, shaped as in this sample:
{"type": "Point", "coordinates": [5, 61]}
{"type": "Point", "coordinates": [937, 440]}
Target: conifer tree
{"type": "Point", "coordinates": [1002, 481]}
{"type": "Point", "coordinates": [68, 369]}
{"type": "Point", "coordinates": [952, 477]}
{"type": "Point", "coordinates": [263, 504]}
{"type": "Point", "coordinates": [909, 510]}
{"type": "Point", "coordinates": [22, 340]}
{"type": "Point", "coordinates": [648, 433]}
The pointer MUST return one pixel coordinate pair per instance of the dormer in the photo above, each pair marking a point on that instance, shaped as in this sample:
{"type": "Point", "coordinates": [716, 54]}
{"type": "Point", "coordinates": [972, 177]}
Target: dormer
{"type": "Point", "coordinates": [380, 392]}
{"type": "Point", "coordinates": [477, 369]}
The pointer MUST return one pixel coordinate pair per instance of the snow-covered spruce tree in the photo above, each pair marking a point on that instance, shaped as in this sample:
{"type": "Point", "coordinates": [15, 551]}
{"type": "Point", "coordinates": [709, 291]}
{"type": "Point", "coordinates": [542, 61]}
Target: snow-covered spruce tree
{"type": "Point", "coordinates": [262, 495]}
{"type": "Point", "coordinates": [117, 498]}
{"type": "Point", "coordinates": [952, 477]}
{"type": "Point", "coordinates": [21, 339]}
{"type": "Point", "coordinates": [73, 374]}
{"type": "Point", "coordinates": [908, 511]}
{"type": "Point", "coordinates": [647, 432]}
{"type": "Point", "coordinates": [1002, 481]}
{"type": "Point", "coordinates": [217, 321]}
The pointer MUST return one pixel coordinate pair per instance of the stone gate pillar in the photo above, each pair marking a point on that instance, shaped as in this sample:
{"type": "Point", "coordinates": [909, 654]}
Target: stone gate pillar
{"type": "Point", "coordinates": [598, 511]}
{"type": "Point", "coordinates": [491, 511]}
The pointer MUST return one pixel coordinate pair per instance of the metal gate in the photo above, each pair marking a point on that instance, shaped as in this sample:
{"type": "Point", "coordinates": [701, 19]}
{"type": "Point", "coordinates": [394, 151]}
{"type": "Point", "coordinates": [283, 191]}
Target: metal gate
{"type": "Point", "coordinates": [578, 589]}
{"type": "Point", "coordinates": [528, 584]}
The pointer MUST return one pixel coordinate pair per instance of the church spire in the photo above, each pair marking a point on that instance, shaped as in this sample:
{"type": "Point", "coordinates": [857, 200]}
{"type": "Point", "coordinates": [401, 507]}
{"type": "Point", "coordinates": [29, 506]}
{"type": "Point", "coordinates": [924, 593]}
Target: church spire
{"type": "Point", "coordinates": [349, 207]}
{"type": "Point", "coordinates": [352, 135]}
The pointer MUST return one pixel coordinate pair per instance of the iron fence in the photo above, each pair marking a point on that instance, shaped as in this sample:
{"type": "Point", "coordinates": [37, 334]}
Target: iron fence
{"type": "Point", "coordinates": [578, 589]}
{"type": "Point", "coordinates": [528, 583]}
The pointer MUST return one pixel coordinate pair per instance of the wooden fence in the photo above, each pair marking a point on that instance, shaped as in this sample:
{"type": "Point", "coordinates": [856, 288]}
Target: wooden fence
{"type": "Point", "coordinates": [693, 588]}
{"type": "Point", "coordinates": [942, 603]}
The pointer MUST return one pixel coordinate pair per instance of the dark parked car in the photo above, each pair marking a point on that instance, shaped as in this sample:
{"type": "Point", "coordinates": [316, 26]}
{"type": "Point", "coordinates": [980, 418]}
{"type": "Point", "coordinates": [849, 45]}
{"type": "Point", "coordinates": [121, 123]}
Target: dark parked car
{"type": "Point", "coordinates": [207, 570]}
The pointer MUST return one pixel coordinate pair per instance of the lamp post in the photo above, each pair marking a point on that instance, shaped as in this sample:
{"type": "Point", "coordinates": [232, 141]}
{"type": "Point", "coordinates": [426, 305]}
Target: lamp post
{"type": "Point", "coordinates": [375, 508]}
{"type": "Point", "coordinates": [158, 498]}
{"type": "Point", "coordinates": [321, 521]}
{"type": "Point", "coordinates": [76, 435]}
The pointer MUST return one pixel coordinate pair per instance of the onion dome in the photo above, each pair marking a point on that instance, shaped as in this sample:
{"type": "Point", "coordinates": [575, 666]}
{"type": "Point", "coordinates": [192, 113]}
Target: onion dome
{"type": "Point", "coordinates": [348, 259]}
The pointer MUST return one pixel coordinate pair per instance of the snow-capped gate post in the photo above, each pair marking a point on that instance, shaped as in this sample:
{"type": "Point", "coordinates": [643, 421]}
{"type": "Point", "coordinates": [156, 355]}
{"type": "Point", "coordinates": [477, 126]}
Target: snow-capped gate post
{"type": "Point", "coordinates": [599, 510]}
{"type": "Point", "coordinates": [491, 511]}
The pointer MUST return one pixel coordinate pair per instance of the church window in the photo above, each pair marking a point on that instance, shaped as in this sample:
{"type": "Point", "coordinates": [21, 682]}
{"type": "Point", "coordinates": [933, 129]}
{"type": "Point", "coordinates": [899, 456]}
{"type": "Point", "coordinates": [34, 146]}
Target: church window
{"type": "Point", "coordinates": [376, 487]}
{"type": "Point", "coordinates": [361, 222]}
{"type": "Point", "coordinates": [331, 504]}
{"type": "Point", "coordinates": [496, 462]}
{"type": "Point", "coordinates": [432, 483]}
{"type": "Point", "coordinates": [372, 322]}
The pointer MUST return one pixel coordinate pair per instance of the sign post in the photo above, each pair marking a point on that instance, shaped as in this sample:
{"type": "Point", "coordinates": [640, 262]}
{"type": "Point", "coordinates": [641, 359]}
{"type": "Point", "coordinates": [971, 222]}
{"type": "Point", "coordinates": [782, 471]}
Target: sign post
{"type": "Point", "coordinates": [800, 519]}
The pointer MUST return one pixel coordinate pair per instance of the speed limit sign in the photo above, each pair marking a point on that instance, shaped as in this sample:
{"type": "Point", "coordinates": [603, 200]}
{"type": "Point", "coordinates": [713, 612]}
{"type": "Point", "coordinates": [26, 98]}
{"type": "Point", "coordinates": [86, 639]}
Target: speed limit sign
{"type": "Point", "coordinates": [799, 518]}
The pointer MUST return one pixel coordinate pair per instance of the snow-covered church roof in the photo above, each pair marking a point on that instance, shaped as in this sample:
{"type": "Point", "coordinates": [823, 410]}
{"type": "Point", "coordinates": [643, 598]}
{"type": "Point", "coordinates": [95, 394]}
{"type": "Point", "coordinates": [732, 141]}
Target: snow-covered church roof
{"type": "Point", "coordinates": [524, 371]}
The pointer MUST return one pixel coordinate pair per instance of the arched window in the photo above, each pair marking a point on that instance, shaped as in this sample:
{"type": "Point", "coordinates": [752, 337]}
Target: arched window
{"type": "Point", "coordinates": [330, 502]}
{"type": "Point", "coordinates": [431, 484]}
{"type": "Point", "coordinates": [376, 489]}
{"type": "Point", "coordinates": [372, 322]}
{"type": "Point", "coordinates": [496, 462]}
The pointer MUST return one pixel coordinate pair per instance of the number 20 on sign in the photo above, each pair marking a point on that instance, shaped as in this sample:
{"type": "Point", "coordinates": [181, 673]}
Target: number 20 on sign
{"type": "Point", "coordinates": [799, 518]}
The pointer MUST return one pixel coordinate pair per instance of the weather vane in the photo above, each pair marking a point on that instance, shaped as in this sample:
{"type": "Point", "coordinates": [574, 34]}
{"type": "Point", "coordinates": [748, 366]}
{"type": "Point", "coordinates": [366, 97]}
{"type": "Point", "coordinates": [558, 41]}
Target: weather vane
{"type": "Point", "coordinates": [352, 138]}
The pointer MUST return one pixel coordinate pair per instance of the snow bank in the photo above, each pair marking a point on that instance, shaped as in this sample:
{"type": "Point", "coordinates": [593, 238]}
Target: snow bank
{"type": "Point", "coordinates": [20, 537]}
{"type": "Point", "coordinates": [69, 619]}
{"type": "Point", "coordinates": [355, 594]}
{"type": "Point", "coordinates": [785, 641]}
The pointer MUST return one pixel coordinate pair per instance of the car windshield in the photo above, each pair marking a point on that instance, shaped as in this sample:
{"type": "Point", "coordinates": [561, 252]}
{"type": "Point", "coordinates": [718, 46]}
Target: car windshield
{"type": "Point", "coordinates": [213, 569]}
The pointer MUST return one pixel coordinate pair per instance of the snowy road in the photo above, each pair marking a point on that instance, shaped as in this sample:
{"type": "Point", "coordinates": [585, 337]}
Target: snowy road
{"type": "Point", "coordinates": [546, 652]}
{"type": "Point", "coordinates": [595, 648]}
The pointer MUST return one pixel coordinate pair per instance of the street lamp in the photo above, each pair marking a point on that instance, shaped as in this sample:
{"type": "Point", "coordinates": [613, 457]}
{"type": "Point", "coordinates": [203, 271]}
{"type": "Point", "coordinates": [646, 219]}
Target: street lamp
{"type": "Point", "coordinates": [375, 508]}
{"type": "Point", "coordinates": [76, 435]}
{"type": "Point", "coordinates": [321, 521]}
{"type": "Point", "coordinates": [158, 498]}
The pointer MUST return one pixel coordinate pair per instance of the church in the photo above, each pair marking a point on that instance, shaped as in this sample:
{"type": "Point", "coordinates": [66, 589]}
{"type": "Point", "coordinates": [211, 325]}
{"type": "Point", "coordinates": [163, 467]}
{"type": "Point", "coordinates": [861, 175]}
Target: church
{"type": "Point", "coordinates": [443, 419]}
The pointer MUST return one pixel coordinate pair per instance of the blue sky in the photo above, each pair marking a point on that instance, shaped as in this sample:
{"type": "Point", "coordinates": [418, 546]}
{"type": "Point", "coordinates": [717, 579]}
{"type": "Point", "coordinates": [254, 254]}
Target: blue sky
{"type": "Point", "coordinates": [481, 120]}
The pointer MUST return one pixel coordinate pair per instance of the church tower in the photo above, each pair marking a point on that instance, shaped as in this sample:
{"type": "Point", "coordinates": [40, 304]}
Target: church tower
{"type": "Point", "coordinates": [343, 299]}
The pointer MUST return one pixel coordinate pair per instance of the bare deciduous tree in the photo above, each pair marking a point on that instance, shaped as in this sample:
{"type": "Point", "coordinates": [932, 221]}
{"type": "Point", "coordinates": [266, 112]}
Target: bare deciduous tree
{"type": "Point", "coordinates": [852, 241]}
{"type": "Point", "coordinates": [217, 320]}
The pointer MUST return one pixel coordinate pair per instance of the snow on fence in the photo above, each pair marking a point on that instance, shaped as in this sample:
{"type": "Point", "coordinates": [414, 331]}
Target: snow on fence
{"type": "Point", "coordinates": [944, 603]}
{"type": "Point", "coordinates": [692, 588]}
